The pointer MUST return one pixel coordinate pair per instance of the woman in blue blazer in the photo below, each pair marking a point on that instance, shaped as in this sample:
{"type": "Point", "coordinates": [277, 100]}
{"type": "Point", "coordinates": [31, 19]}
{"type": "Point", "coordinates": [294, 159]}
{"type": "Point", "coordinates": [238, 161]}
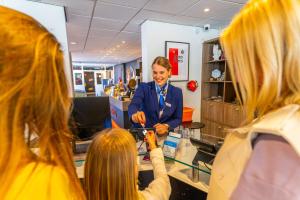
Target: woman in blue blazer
{"type": "Point", "coordinates": [157, 104]}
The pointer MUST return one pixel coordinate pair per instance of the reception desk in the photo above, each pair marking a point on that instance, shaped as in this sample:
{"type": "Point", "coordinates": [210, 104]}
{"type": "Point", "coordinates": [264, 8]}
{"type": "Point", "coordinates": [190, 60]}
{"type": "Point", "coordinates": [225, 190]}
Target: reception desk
{"type": "Point", "coordinates": [187, 181]}
{"type": "Point", "coordinates": [119, 112]}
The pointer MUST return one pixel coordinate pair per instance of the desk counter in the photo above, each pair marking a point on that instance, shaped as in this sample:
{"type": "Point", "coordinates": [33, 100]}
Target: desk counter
{"type": "Point", "coordinates": [119, 112]}
{"type": "Point", "coordinates": [179, 168]}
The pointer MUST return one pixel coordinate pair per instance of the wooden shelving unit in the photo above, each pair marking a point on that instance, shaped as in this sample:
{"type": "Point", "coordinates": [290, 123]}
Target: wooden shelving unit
{"type": "Point", "coordinates": [219, 110]}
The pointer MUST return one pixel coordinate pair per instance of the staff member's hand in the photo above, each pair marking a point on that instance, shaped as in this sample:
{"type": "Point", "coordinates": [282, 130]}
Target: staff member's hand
{"type": "Point", "coordinates": [139, 117]}
{"type": "Point", "coordinates": [150, 136]}
{"type": "Point", "coordinates": [161, 128]}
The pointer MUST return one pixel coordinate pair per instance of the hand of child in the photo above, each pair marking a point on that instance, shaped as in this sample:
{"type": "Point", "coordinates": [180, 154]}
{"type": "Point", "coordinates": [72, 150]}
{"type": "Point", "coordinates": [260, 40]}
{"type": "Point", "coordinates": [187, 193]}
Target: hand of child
{"type": "Point", "coordinates": [150, 136]}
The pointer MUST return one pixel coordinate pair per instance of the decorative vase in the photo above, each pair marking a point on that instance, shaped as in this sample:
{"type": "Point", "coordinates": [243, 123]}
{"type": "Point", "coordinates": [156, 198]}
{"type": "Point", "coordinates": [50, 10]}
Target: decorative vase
{"type": "Point", "coordinates": [216, 52]}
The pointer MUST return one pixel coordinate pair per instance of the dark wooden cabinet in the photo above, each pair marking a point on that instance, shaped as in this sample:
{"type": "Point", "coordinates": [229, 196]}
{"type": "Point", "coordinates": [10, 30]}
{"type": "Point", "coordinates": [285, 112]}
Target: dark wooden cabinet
{"type": "Point", "coordinates": [219, 108]}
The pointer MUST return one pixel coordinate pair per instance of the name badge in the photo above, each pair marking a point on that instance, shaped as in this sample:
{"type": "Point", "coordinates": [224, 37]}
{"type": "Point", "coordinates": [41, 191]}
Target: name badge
{"type": "Point", "coordinates": [168, 104]}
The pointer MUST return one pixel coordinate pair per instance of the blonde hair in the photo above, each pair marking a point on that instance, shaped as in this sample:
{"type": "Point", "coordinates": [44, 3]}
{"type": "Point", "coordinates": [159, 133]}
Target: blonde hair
{"type": "Point", "coordinates": [33, 98]}
{"type": "Point", "coordinates": [111, 167]}
{"type": "Point", "coordinates": [262, 42]}
{"type": "Point", "coordinates": [162, 61]}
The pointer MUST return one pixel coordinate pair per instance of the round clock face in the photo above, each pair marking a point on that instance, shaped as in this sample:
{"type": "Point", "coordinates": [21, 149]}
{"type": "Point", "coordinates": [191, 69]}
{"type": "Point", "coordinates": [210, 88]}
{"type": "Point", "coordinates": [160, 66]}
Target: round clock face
{"type": "Point", "coordinates": [216, 73]}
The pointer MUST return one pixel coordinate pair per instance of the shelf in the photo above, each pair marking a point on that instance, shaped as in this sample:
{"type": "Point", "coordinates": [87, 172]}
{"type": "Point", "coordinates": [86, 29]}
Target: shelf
{"type": "Point", "coordinates": [209, 100]}
{"type": "Point", "coordinates": [217, 81]}
{"type": "Point", "coordinates": [234, 104]}
{"type": "Point", "coordinates": [224, 102]}
{"type": "Point", "coordinates": [223, 113]}
{"type": "Point", "coordinates": [216, 61]}
{"type": "Point", "coordinates": [212, 41]}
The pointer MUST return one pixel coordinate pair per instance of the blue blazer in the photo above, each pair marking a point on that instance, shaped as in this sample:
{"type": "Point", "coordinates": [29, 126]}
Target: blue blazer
{"type": "Point", "coordinates": [145, 99]}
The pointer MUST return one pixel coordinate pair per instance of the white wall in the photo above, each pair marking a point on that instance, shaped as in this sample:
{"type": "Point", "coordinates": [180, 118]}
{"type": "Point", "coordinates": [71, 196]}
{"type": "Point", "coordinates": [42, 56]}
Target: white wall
{"type": "Point", "coordinates": [154, 35]}
{"type": "Point", "coordinates": [50, 16]}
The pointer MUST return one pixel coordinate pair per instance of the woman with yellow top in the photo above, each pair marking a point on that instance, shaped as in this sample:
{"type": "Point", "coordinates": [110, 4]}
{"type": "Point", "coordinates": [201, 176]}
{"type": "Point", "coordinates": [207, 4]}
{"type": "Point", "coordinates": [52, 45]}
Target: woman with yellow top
{"type": "Point", "coordinates": [33, 101]}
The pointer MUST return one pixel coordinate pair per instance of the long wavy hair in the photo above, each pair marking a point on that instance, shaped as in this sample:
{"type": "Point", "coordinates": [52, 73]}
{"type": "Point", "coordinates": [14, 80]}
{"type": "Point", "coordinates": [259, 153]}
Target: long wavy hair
{"type": "Point", "coordinates": [111, 167]}
{"type": "Point", "coordinates": [262, 48]}
{"type": "Point", "coordinates": [33, 98]}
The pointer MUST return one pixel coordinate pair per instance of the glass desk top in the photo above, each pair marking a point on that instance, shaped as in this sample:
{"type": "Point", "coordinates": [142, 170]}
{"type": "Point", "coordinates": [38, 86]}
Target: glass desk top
{"type": "Point", "coordinates": [191, 156]}
{"type": "Point", "coordinates": [185, 154]}
{"type": "Point", "coordinates": [181, 167]}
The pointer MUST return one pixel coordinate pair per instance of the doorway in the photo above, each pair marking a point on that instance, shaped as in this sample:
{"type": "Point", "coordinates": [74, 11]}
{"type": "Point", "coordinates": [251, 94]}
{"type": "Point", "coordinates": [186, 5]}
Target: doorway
{"type": "Point", "coordinates": [89, 83]}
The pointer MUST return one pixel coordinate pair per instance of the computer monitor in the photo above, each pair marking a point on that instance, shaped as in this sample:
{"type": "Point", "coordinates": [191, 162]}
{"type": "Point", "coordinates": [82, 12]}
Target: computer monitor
{"type": "Point", "coordinates": [90, 115]}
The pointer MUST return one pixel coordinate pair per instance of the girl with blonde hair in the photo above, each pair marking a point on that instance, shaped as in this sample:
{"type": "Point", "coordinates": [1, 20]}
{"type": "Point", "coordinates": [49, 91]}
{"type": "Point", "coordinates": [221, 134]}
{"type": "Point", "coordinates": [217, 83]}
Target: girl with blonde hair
{"type": "Point", "coordinates": [111, 170]}
{"type": "Point", "coordinates": [33, 100]}
{"type": "Point", "coordinates": [261, 160]}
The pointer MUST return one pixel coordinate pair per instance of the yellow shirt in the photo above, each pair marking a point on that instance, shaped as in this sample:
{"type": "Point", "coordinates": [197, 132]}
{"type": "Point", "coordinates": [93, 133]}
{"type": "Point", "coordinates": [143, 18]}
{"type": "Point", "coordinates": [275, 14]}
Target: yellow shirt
{"type": "Point", "coordinates": [38, 182]}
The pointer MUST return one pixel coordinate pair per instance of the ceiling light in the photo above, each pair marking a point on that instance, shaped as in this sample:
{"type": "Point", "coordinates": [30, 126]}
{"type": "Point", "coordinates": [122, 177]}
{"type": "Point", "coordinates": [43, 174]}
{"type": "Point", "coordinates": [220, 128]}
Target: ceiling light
{"type": "Point", "coordinates": [123, 42]}
{"type": "Point", "coordinates": [73, 43]}
{"type": "Point", "coordinates": [206, 10]}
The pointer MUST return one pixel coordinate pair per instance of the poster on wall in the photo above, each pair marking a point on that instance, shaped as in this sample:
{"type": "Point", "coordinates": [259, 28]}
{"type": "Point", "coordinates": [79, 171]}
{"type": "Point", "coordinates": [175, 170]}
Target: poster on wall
{"type": "Point", "coordinates": [99, 77]}
{"type": "Point", "coordinates": [178, 54]}
{"type": "Point", "coordinates": [78, 78]}
{"type": "Point", "coordinates": [130, 73]}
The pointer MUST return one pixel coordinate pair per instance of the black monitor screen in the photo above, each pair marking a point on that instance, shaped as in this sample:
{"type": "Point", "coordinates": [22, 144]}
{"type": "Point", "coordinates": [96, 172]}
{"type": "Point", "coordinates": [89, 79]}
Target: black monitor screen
{"type": "Point", "coordinates": [90, 115]}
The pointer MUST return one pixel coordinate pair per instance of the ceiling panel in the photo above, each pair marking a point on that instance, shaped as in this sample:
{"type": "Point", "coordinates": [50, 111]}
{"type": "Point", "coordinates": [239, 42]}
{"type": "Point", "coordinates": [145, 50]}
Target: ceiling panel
{"type": "Point", "coordinates": [133, 27]}
{"type": "Point", "coordinates": [120, 20]}
{"type": "Point", "coordinates": [80, 7]}
{"type": "Point", "coordinates": [128, 37]}
{"type": "Point", "coordinates": [105, 33]}
{"type": "Point", "coordinates": [76, 47]}
{"type": "Point", "coordinates": [112, 11]}
{"type": "Point", "coordinates": [84, 4]}
{"type": "Point", "coordinates": [217, 9]}
{"type": "Point", "coordinates": [150, 15]}
{"type": "Point", "coordinates": [184, 20]}
{"type": "Point", "coordinates": [97, 44]}
{"type": "Point", "coordinates": [77, 28]}
{"type": "Point", "coordinates": [79, 11]}
{"type": "Point", "coordinates": [80, 21]}
{"type": "Point", "coordinates": [227, 14]}
{"type": "Point", "coordinates": [102, 23]}
{"type": "Point", "coordinates": [170, 6]}
{"type": "Point", "coordinates": [236, 1]}
{"type": "Point", "coordinates": [129, 3]}
{"type": "Point", "coordinates": [74, 30]}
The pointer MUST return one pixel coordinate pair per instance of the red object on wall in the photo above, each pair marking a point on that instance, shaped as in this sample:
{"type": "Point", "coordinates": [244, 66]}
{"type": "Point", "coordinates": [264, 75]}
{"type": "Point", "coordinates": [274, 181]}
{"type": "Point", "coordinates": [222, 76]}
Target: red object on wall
{"type": "Point", "coordinates": [173, 57]}
{"type": "Point", "coordinates": [192, 85]}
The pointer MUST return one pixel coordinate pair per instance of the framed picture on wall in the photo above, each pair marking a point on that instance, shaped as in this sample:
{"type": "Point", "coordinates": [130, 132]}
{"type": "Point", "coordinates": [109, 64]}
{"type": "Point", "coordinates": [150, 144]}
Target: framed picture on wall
{"type": "Point", "coordinates": [78, 78]}
{"type": "Point", "coordinates": [178, 53]}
